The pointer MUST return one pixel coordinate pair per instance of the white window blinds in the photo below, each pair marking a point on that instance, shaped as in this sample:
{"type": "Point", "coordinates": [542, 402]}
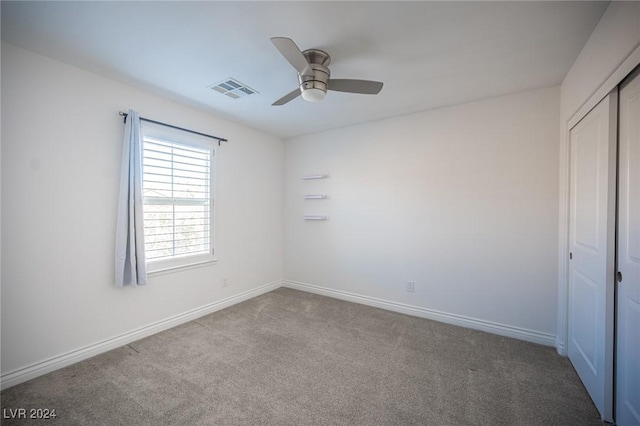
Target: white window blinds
{"type": "Point", "coordinates": [177, 199]}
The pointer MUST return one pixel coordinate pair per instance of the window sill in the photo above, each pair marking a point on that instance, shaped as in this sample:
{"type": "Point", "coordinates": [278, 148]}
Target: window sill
{"type": "Point", "coordinates": [172, 269]}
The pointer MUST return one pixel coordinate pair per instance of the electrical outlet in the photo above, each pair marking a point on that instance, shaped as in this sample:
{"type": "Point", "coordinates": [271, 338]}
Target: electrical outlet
{"type": "Point", "coordinates": [225, 281]}
{"type": "Point", "coordinates": [411, 286]}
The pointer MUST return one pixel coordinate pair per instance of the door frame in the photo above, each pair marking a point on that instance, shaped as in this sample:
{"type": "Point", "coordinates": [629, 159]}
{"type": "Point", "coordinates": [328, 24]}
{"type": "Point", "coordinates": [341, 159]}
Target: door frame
{"type": "Point", "coordinates": [625, 68]}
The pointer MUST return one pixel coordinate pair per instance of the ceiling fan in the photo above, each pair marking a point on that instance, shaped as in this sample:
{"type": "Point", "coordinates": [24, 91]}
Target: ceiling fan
{"type": "Point", "coordinates": [314, 75]}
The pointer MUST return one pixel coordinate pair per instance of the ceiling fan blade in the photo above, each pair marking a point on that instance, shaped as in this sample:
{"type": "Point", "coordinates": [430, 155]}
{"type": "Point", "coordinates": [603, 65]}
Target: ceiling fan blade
{"type": "Point", "coordinates": [286, 98]}
{"type": "Point", "coordinates": [292, 53]}
{"type": "Point", "coordinates": [366, 87]}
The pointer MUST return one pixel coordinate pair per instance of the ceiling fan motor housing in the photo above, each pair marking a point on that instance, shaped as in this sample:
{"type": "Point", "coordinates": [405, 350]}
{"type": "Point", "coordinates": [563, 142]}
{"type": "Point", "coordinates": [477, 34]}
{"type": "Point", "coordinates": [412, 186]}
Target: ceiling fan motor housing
{"type": "Point", "coordinates": [314, 87]}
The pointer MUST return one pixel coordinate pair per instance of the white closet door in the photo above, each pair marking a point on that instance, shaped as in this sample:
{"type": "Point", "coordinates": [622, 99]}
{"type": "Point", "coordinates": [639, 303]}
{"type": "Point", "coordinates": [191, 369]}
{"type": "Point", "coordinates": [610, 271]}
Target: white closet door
{"type": "Point", "coordinates": [592, 251]}
{"type": "Point", "coordinates": [628, 295]}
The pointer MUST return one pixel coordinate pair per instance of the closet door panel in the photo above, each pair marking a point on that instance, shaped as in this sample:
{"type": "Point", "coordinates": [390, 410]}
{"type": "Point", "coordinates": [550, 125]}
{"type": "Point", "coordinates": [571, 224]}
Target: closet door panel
{"type": "Point", "coordinates": [592, 251]}
{"type": "Point", "coordinates": [628, 291]}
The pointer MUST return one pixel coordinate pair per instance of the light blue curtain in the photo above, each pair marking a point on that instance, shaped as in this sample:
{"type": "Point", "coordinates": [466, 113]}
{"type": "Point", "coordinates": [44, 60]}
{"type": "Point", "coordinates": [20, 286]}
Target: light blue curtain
{"type": "Point", "coordinates": [130, 260]}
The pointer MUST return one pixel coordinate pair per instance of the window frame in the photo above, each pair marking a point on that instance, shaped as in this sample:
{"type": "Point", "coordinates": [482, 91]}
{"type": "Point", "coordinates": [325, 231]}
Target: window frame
{"type": "Point", "coordinates": [181, 137]}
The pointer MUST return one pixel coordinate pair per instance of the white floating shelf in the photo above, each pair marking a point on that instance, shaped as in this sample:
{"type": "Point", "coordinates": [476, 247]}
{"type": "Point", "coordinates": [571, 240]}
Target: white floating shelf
{"type": "Point", "coordinates": [315, 197]}
{"type": "Point", "coordinates": [315, 217]}
{"type": "Point", "coordinates": [310, 177]}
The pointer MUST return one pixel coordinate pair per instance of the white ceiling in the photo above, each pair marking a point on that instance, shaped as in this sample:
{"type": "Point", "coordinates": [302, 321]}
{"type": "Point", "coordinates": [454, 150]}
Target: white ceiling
{"type": "Point", "coordinates": [428, 54]}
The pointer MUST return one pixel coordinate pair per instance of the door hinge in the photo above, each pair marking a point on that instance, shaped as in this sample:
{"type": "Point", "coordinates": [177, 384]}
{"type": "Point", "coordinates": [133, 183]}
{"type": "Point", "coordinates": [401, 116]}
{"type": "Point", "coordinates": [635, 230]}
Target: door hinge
{"type": "Point", "coordinates": [570, 255]}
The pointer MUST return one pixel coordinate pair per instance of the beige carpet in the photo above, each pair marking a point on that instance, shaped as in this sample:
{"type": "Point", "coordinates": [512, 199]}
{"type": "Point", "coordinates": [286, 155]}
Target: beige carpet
{"type": "Point", "coordinates": [293, 358]}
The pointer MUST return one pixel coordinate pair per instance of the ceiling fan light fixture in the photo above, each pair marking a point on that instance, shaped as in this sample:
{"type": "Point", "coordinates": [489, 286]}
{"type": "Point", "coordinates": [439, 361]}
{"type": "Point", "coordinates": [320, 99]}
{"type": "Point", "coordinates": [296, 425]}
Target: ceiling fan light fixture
{"type": "Point", "coordinates": [313, 94]}
{"type": "Point", "coordinates": [314, 77]}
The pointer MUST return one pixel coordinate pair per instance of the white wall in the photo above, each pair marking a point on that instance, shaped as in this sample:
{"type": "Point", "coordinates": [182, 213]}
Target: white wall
{"type": "Point", "coordinates": [461, 200]}
{"type": "Point", "coordinates": [61, 148]}
{"type": "Point", "coordinates": [615, 37]}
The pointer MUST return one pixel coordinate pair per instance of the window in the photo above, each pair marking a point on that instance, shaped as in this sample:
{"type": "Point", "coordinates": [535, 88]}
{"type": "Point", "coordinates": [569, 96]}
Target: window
{"type": "Point", "coordinates": [177, 185]}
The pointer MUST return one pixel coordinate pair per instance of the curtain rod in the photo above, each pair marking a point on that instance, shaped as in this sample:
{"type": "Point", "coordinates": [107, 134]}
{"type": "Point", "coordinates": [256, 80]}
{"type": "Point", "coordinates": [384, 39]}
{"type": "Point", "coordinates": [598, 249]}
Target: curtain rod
{"type": "Point", "coordinates": [124, 114]}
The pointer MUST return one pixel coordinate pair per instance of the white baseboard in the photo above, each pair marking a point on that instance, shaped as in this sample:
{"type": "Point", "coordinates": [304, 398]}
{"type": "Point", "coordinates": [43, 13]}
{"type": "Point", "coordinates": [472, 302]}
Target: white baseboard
{"type": "Point", "coordinates": [38, 369]}
{"type": "Point", "coordinates": [460, 320]}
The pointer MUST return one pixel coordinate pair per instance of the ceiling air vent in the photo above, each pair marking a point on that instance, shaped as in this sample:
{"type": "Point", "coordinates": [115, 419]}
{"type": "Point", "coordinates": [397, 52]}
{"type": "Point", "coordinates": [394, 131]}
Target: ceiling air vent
{"type": "Point", "coordinates": [232, 88]}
